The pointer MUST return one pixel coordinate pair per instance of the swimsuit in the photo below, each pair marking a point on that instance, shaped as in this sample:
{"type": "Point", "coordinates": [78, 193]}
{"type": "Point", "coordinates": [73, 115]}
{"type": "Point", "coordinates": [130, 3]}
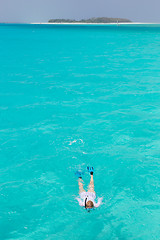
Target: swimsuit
{"type": "Point", "coordinates": [90, 197]}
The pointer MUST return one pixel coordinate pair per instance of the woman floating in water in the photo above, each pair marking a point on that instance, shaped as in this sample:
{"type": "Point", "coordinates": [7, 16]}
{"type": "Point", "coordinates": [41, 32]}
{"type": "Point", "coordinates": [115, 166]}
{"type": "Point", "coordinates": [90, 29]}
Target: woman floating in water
{"type": "Point", "coordinates": [87, 199]}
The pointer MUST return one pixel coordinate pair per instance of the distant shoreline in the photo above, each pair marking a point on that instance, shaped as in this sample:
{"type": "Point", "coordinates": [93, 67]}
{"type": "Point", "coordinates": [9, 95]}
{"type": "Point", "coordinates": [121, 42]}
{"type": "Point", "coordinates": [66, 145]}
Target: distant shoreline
{"type": "Point", "coordinates": [119, 23]}
{"type": "Point", "coordinates": [46, 23]}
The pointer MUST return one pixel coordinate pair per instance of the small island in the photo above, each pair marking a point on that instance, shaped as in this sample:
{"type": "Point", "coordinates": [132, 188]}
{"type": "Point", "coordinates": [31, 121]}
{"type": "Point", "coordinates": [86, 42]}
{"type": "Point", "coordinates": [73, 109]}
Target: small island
{"type": "Point", "coordinates": [92, 20]}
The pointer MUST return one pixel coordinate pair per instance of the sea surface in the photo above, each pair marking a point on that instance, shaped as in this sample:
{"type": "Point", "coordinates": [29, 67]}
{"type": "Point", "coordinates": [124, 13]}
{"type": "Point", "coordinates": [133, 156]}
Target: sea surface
{"type": "Point", "coordinates": [72, 97]}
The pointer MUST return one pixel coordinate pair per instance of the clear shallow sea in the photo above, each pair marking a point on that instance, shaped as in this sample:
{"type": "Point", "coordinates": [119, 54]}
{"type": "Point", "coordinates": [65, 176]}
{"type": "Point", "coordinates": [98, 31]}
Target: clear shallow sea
{"type": "Point", "coordinates": [73, 96]}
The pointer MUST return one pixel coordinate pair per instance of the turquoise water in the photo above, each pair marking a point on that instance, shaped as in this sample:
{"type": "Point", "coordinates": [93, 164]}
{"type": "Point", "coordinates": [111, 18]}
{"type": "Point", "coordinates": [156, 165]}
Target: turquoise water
{"type": "Point", "coordinates": [73, 96]}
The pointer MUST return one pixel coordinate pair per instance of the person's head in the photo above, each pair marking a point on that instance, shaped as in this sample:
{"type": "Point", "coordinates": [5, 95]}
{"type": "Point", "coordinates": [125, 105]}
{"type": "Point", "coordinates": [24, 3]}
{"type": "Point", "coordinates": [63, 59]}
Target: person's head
{"type": "Point", "coordinates": [89, 204]}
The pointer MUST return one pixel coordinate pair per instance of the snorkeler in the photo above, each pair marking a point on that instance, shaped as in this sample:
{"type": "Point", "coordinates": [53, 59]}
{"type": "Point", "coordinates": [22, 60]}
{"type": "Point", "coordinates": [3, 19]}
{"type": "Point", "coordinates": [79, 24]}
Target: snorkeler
{"type": "Point", "coordinates": [87, 199]}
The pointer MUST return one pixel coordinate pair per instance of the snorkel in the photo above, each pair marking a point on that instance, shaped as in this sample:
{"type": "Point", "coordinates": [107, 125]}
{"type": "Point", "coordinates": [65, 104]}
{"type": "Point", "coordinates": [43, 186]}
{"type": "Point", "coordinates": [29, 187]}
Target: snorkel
{"type": "Point", "coordinates": [85, 203]}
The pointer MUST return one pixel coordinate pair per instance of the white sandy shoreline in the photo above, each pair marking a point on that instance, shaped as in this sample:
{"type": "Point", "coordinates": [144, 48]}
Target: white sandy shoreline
{"type": "Point", "coordinates": [129, 23]}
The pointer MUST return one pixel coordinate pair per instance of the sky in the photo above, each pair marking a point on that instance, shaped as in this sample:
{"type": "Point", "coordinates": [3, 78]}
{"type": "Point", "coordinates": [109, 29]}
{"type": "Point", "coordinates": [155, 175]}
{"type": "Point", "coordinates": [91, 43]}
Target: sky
{"type": "Point", "coordinates": [42, 10]}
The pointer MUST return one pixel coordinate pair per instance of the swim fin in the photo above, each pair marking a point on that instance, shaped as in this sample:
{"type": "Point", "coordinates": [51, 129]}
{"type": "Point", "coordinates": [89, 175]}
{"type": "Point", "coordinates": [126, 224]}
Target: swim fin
{"type": "Point", "coordinates": [79, 174]}
{"type": "Point", "coordinates": [90, 170]}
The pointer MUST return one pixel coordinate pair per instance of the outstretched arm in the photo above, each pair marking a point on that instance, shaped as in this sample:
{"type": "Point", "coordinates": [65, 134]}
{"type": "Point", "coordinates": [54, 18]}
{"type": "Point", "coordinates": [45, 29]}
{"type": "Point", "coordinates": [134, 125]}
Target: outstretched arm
{"type": "Point", "coordinates": [99, 202]}
{"type": "Point", "coordinates": [80, 201]}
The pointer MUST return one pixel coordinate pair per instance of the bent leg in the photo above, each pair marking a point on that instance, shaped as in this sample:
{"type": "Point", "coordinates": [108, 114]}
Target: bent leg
{"type": "Point", "coordinates": [91, 185]}
{"type": "Point", "coordinates": [80, 184]}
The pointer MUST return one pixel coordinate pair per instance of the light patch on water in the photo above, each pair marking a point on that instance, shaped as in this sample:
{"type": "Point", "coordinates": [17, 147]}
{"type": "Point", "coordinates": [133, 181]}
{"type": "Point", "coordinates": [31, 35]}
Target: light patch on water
{"type": "Point", "coordinates": [76, 141]}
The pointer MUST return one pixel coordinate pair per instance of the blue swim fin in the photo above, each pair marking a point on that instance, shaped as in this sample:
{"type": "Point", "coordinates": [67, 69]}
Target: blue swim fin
{"type": "Point", "coordinates": [90, 170]}
{"type": "Point", "coordinates": [79, 174]}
